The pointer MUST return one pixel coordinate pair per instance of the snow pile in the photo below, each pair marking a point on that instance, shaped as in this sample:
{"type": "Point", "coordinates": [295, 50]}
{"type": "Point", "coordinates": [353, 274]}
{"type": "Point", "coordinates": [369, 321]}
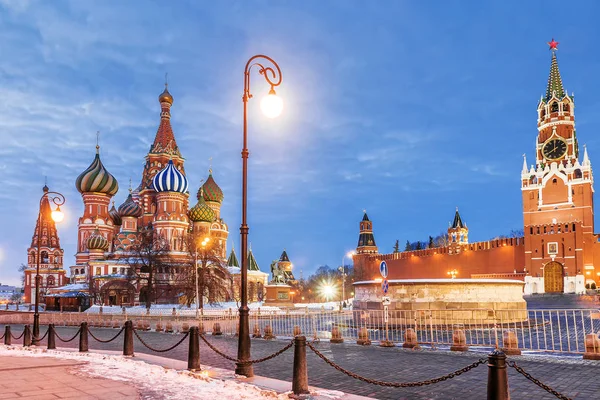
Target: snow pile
{"type": "Point", "coordinates": [168, 383]}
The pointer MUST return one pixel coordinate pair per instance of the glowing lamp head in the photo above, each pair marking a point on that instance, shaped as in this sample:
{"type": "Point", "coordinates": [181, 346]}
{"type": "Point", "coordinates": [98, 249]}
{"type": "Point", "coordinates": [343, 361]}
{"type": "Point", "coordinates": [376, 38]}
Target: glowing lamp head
{"type": "Point", "coordinates": [327, 290]}
{"type": "Point", "coordinates": [57, 215]}
{"type": "Point", "coordinates": [271, 105]}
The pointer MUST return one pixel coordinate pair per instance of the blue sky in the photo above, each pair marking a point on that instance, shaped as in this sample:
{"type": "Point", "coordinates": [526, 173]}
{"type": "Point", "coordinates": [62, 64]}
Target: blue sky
{"type": "Point", "coordinates": [405, 109]}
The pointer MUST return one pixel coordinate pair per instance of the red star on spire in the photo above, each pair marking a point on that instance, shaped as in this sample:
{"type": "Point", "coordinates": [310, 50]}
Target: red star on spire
{"type": "Point", "coordinates": [553, 44]}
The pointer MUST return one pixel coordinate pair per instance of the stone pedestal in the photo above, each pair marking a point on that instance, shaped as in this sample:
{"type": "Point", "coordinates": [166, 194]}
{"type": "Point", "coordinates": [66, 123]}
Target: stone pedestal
{"type": "Point", "coordinates": [278, 295]}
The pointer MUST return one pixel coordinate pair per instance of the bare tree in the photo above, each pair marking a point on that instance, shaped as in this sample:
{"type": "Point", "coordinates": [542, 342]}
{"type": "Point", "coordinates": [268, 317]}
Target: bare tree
{"type": "Point", "coordinates": [150, 264]}
{"type": "Point", "coordinates": [211, 276]}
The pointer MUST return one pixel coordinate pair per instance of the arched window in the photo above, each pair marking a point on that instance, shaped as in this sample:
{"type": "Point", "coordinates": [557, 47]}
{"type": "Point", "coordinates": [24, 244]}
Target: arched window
{"type": "Point", "coordinates": [51, 281]}
{"type": "Point", "coordinates": [577, 174]}
{"type": "Point", "coordinates": [44, 257]}
{"type": "Point", "coordinates": [76, 271]}
{"type": "Point", "coordinates": [554, 107]}
{"type": "Point", "coordinates": [566, 107]}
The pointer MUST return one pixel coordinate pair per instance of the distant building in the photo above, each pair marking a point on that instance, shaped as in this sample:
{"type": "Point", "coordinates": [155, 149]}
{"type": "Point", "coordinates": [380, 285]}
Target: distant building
{"type": "Point", "coordinates": [7, 292]}
{"type": "Point", "coordinates": [559, 249]}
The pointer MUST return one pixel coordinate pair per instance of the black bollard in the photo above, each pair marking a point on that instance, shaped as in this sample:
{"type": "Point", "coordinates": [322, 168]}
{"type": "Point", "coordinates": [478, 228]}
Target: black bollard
{"type": "Point", "coordinates": [497, 388]}
{"type": "Point", "coordinates": [27, 336]}
{"type": "Point", "coordinates": [194, 350]}
{"type": "Point", "coordinates": [51, 337]}
{"type": "Point", "coordinates": [7, 335]}
{"type": "Point", "coordinates": [300, 373]}
{"type": "Point", "coordinates": [128, 342]}
{"type": "Point", "coordinates": [83, 337]}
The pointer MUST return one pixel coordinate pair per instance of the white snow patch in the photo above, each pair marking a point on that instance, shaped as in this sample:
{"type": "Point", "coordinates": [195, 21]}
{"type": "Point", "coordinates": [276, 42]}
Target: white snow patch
{"type": "Point", "coordinates": [170, 383]}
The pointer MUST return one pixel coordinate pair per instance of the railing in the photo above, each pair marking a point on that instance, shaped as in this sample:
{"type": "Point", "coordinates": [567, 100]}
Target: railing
{"type": "Point", "coordinates": [562, 331]}
{"type": "Point", "coordinates": [497, 382]}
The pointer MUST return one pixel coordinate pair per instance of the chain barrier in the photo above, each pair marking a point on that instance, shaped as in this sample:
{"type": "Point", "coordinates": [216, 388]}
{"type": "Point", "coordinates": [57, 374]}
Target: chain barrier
{"type": "Point", "coordinates": [157, 350]}
{"type": "Point", "coordinates": [18, 337]}
{"type": "Point", "coordinates": [2, 337]}
{"type": "Point", "coordinates": [44, 337]}
{"type": "Point", "coordinates": [106, 341]}
{"type": "Point", "coordinates": [70, 340]}
{"type": "Point", "coordinates": [396, 384]}
{"type": "Point", "coordinates": [537, 381]}
{"type": "Point", "coordinates": [256, 361]}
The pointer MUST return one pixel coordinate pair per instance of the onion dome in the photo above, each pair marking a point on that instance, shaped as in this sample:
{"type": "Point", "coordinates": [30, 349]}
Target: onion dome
{"type": "Point", "coordinates": [212, 191]}
{"type": "Point", "coordinates": [130, 208]}
{"type": "Point", "coordinates": [114, 215]}
{"type": "Point", "coordinates": [97, 242]}
{"type": "Point", "coordinates": [202, 212]}
{"type": "Point", "coordinates": [96, 178]}
{"type": "Point", "coordinates": [165, 96]}
{"type": "Point", "coordinates": [170, 179]}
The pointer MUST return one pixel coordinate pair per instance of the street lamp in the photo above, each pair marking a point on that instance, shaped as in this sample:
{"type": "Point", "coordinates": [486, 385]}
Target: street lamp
{"type": "Point", "coordinates": [271, 107]}
{"type": "Point", "coordinates": [343, 270]}
{"type": "Point", "coordinates": [57, 215]}
{"type": "Point", "coordinates": [453, 273]}
{"type": "Point", "coordinates": [203, 244]}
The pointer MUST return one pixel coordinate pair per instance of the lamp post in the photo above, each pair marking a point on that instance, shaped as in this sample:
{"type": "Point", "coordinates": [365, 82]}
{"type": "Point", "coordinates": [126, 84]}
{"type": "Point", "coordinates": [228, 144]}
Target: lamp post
{"type": "Point", "coordinates": [203, 244]}
{"type": "Point", "coordinates": [343, 270]}
{"type": "Point", "coordinates": [271, 106]}
{"type": "Point", "coordinates": [58, 199]}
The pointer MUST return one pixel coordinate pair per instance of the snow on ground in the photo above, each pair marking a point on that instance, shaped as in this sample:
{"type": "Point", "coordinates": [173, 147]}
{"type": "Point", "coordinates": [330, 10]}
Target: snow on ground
{"type": "Point", "coordinates": [168, 383]}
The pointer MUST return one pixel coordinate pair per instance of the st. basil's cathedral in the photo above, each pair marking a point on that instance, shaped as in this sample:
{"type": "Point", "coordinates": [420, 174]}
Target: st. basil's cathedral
{"type": "Point", "coordinates": [107, 234]}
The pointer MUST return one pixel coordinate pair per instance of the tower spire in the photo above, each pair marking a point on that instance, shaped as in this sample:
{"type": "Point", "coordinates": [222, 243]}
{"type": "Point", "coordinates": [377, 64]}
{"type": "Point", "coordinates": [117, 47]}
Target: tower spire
{"type": "Point", "coordinates": [555, 85]}
{"type": "Point", "coordinates": [586, 159]}
{"type": "Point", "coordinates": [524, 171]}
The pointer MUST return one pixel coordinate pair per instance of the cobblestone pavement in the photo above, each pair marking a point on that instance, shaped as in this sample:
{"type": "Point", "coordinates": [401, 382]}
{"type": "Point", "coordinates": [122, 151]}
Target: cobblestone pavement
{"type": "Point", "coordinates": [573, 377]}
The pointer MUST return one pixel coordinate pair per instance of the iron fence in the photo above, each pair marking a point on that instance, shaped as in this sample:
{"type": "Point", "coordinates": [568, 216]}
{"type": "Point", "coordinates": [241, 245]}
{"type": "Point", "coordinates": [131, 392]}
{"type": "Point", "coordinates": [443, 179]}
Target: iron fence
{"type": "Point", "coordinates": [560, 330]}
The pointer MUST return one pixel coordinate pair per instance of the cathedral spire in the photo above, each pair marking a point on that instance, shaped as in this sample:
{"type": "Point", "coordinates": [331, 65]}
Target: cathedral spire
{"type": "Point", "coordinates": [555, 85]}
{"type": "Point", "coordinates": [164, 142]}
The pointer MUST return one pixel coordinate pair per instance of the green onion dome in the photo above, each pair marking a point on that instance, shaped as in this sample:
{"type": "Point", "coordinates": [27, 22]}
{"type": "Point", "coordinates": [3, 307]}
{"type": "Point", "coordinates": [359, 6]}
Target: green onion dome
{"type": "Point", "coordinates": [114, 215]}
{"type": "Point", "coordinates": [212, 191]}
{"type": "Point", "coordinates": [202, 212]}
{"type": "Point", "coordinates": [130, 208]}
{"type": "Point", "coordinates": [96, 179]}
{"type": "Point", "coordinates": [97, 242]}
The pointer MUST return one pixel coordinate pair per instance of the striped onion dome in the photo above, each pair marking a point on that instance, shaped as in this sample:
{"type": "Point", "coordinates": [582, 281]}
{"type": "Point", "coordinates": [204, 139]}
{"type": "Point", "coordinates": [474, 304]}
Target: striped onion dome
{"type": "Point", "coordinates": [170, 179]}
{"type": "Point", "coordinates": [97, 242]}
{"type": "Point", "coordinates": [96, 178]}
{"type": "Point", "coordinates": [114, 215]}
{"type": "Point", "coordinates": [202, 212]}
{"type": "Point", "coordinates": [212, 191]}
{"type": "Point", "coordinates": [130, 208]}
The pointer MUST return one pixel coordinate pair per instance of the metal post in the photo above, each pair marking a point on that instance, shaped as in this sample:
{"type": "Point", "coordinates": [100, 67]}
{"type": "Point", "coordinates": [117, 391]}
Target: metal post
{"type": "Point", "coordinates": [300, 373]}
{"type": "Point", "coordinates": [194, 350]}
{"type": "Point", "coordinates": [83, 338]}
{"type": "Point", "coordinates": [128, 342]}
{"type": "Point", "coordinates": [51, 337]}
{"type": "Point", "coordinates": [497, 388]}
{"type": "Point", "coordinates": [242, 367]}
{"type": "Point", "coordinates": [197, 290]}
{"type": "Point", "coordinates": [7, 335]}
{"type": "Point", "coordinates": [27, 336]}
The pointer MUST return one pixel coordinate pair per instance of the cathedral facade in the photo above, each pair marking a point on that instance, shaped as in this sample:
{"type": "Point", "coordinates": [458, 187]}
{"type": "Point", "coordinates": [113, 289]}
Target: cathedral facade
{"type": "Point", "coordinates": [558, 250]}
{"type": "Point", "coordinates": [158, 221]}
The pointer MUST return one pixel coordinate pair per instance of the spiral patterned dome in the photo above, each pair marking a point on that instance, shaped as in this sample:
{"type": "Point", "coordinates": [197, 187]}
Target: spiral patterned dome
{"type": "Point", "coordinates": [96, 178]}
{"type": "Point", "coordinates": [130, 208]}
{"type": "Point", "coordinates": [202, 212]}
{"type": "Point", "coordinates": [114, 215]}
{"type": "Point", "coordinates": [97, 242]}
{"type": "Point", "coordinates": [212, 191]}
{"type": "Point", "coordinates": [170, 179]}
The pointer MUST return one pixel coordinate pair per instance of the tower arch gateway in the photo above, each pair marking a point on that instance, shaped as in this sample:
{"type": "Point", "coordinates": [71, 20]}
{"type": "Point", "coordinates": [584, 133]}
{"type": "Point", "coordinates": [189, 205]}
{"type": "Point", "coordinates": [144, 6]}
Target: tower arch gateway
{"type": "Point", "coordinates": [554, 277]}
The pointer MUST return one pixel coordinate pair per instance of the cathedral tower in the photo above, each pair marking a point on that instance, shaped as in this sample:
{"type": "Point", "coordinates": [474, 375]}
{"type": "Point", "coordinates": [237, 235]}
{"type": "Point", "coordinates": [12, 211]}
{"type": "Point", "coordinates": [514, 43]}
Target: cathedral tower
{"type": "Point", "coordinates": [97, 186]}
{"type": "Point", "coordinates": [163, 149]}
{"type": "Point", "coordinates": [51, 255]}
{"type": "Point", "coordinates": [558, 194]}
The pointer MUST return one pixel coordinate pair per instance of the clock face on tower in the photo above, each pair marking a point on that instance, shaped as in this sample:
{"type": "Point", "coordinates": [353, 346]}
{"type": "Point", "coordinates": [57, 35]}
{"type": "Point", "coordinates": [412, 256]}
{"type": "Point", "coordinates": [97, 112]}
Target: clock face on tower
{"type": "Point", "coordinates": [554, 149]}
